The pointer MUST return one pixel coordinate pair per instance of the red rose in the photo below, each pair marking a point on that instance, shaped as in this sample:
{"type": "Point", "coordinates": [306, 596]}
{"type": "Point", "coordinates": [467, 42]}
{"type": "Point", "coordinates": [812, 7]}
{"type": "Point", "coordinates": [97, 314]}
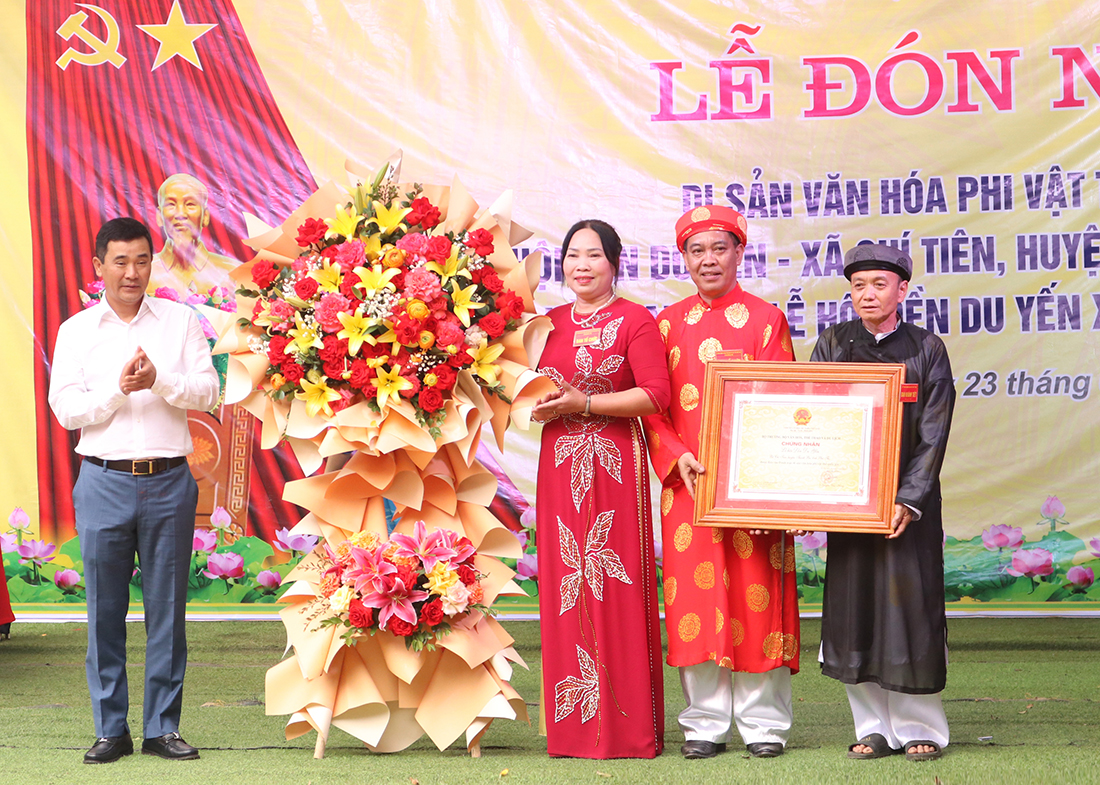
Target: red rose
{"type": "Point", "coordinates": [329, 252]}
{"type": "Point", "coordinates": [480, 241]}
{"type": "Point", "coordinates": [509, 304]}
{"type": "Point", "coordinates": [360, 615]}
{"type": "Point", "coordinates": [333, 370]}
{"type": "Point", "coordinates": [264, 273]}
{"type": "Point", "coordinates": [407, 330]}
{"type": "Point", "coordinates": [460, 359]}
{"type": "Point", "coordinates": [408, 575]}
{"type": "Point", "coordinates": [488, 278]}
{"type": "Point", "coordinates": [347, 286]}
{"type": "Point", "coordinates": [439, 248]}
{"type": "Point", "coordinates": [361, 374]}
{"type": "Point", "coordinates": [431, 399]}
{"type": "Point", "coordinates": [401, 627]}
{"type": "Point", "coordinates": [312, 231]}
{"type": "Point", "coordinates": [467, 575]}
{"type": "Point", "coordinates": [446, 376]}
{"type": "Point", "coordinates": [493, 323]}
{"type": "Point", "coordinates": [293, 372]}
{"type": "Point", "coordinates": [432, 612]}
{"type": "Point", "coordinates": [335, 349]}
{"type": "Point", "coordinates": [424, 213]}
{"type": "Point", "coordinates": [276, 350]}
{"type": "Point", "coordinates": [415, 382]}
{"type": "Point", "coordinates": [306, 288]}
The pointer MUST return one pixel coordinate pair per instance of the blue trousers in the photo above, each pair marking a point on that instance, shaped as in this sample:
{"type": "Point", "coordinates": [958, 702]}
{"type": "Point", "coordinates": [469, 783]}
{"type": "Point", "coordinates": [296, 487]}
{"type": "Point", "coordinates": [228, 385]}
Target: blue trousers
{"type": "Point", "coordinates": [118, 515]}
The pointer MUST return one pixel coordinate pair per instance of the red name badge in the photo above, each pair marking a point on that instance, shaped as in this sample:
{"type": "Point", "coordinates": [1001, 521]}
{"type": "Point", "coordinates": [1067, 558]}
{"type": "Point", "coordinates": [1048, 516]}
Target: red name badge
{"type": "Point", "coordinates": [589, 337]}
{"type": "Point", "coordinates": [909, 393]}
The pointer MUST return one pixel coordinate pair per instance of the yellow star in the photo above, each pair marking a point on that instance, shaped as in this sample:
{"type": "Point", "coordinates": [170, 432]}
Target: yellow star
{"type": "Point", "coordinates": [176, 37]}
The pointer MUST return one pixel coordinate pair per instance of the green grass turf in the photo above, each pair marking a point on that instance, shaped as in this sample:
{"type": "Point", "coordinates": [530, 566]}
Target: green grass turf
{"type": "Point", "coordinates": [1033, 685]}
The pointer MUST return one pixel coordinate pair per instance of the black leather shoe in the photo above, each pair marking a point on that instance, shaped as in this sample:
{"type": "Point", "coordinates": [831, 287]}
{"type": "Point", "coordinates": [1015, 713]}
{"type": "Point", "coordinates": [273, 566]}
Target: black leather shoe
{"type": "Point", "coordinates": [169, 746]}
{"type": "Point", "coordinates": [696, 749]}
{"type": "Point", "coordinates": [765, 749]}
{"type": "Point", "coordinates": [109, 749]}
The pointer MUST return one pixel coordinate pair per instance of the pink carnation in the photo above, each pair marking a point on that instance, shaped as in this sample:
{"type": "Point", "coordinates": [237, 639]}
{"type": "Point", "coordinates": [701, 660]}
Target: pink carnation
{"type": "Point", "coordinates": [414, 244]}
{"type": "Point", "coordinates": [282, 315]}
{"type": "Point", "coordinates": [350, 255]}
{"type": "Point", "coordinates": [327, 309]}
{"type": "Point", "coordinates": [422, 284]}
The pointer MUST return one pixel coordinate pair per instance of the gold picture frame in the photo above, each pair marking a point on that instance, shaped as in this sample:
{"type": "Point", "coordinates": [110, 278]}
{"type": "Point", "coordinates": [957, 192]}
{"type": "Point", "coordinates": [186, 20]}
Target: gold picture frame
{"type": "Point", "coordinates": [811, 446]}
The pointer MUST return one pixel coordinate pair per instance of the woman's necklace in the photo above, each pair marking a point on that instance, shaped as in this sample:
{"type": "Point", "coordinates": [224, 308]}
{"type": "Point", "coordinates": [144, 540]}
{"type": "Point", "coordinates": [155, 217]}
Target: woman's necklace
{"type": "Point", "coordinates": [588, 319]}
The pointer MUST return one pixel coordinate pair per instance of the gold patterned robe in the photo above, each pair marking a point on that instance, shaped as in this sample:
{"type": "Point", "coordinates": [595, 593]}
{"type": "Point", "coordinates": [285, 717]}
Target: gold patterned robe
{"type": "Point", "coordinates": [730, 596]}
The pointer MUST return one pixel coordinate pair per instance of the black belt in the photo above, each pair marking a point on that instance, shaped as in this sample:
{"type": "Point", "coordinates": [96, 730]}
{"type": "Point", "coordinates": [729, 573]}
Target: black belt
{"type": "Point", "coordinates": [139, 468]}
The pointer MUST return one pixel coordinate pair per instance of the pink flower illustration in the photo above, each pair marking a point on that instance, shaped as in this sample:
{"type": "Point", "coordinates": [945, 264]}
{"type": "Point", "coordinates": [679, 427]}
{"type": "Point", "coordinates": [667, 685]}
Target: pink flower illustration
{"type": "Point", "coordinates": [527, 568]}
{"type": "Point", "coordinates": [219, 519]}
{"type": "Point", "coordinates": [1001, 535]}
{"type": "Point", "coordinates": [8, 543]}
{"type": "Point", "coordinates": [1081, 577]}
{"type": "Point", "coordinates": [1032, 563]}
{"type": "Point", "coordinates": [225, 566]}
{"type": "Point", "coordinates": [36, 552]}
{"type": "Point", "coordinates": [269, 579]}
{"type": "Point", "coordinates": [205, 541]}
{"type": "Point", "coordinates": [19, 520]}
{"type": "Point", "coordinates": [66, 580]}
{"type": "Point", "coordinates": [812, 542]}
{"type": "Point", "coordinates": [659, 553]}
{"type": "Point", "coordinates": [1052, 509]}
{"type": "Point", "coordinates": [1094, 547]}
{"type": "Point", "coordinates": [166, 293]}
{"type": "Point", "coordinates": [522, 537]}
{"type": "Point", "coordinates": [286, 542]}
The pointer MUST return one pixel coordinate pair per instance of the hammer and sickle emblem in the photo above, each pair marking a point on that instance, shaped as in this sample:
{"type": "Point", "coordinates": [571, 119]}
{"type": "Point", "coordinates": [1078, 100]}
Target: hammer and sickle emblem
{"type": "Point", "coordinates": [102, 51]}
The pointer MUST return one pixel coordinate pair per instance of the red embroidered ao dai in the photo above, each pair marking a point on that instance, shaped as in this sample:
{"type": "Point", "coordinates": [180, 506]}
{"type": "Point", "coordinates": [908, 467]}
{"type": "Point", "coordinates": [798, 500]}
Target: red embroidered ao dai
{"type": "Point", "coordinates": [601, 641]}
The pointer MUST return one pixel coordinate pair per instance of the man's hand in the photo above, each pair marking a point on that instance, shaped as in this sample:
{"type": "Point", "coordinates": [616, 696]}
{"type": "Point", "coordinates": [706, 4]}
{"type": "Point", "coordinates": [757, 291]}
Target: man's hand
{"type": "Point", "coordinates": [138, 373]}
{"type": "Point", "coordinates": [690, 469]}
{"type": "Point", "coordinates": [902, 516]}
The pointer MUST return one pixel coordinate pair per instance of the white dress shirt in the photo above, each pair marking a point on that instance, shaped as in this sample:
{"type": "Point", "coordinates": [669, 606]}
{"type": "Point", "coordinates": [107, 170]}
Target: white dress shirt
{"type": "Point", "coordinates": [92, 348]}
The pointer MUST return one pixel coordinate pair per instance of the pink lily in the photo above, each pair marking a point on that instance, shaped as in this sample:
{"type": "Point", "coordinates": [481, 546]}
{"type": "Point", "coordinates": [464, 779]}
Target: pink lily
{"type": "Point", "coordinates": [369, 571]}
{"type": "Point", "coordinates": [398, 601]}
{"type": "Point", "coordinates": [430, 549]}
{"type": "Point", "coordinates": [463, 551]}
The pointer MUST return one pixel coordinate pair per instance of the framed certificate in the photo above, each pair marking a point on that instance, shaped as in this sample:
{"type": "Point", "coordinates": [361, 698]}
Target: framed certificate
{"type": "Point", "coordinates": [800, 446]}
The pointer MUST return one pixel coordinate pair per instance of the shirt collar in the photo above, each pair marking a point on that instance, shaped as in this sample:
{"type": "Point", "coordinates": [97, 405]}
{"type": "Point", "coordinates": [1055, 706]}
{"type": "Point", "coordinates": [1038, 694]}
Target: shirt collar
{"type": "Point", "coordinates": [734, 295]}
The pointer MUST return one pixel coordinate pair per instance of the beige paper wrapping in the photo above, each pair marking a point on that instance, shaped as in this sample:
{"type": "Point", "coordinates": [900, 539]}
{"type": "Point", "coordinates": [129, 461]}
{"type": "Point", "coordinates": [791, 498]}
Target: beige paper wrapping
{"type": "Point", "coordinates": [377, 690]}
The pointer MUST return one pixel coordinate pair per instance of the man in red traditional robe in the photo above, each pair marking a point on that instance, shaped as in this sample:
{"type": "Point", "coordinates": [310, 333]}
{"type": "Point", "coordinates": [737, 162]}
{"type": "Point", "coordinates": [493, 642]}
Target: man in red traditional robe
{"type": "Point", "coordinates": [731, 603]}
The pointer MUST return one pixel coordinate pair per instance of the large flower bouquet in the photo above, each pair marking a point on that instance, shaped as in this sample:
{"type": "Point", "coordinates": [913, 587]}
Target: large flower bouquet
{"type": "Point", "coordinates": [387, 324]}
{"type": "Point", "coordinates": [382, 304]}
{"type": "Point", "coordinates": [411, 586]}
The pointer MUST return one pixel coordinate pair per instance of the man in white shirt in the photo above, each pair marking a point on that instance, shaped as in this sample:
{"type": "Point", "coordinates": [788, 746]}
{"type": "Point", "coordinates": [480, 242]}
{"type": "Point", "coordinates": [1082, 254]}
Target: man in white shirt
{"type": "Point", "coordinates": [125, 372]}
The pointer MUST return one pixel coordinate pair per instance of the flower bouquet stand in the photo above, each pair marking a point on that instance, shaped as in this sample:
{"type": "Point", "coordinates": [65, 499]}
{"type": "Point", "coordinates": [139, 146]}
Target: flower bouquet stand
{"type": "Point", "coordinates": [387, 323]}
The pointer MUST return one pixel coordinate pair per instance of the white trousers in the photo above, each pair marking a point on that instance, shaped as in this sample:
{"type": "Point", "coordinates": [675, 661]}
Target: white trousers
{"type": "Point", "coordinates": [898, 716]}
{"type": "Point", "coordinates": [760, 704]}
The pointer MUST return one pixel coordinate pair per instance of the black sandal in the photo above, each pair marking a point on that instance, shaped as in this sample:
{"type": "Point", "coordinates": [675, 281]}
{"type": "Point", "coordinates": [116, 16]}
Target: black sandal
{"type": "Point", "coordinates": [880, 748]}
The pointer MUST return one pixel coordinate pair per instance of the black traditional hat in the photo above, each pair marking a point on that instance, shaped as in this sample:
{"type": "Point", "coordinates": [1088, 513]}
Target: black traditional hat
{"type": "Point", "coordinates": [878, 256]}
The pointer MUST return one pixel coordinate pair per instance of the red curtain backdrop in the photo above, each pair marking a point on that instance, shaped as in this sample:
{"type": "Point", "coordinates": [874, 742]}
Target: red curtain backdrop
{"type": "Point", "coordinates": [101, 139]}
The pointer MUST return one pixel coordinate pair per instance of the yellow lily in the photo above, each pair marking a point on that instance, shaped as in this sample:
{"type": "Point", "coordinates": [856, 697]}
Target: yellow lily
{"type": "Point", "coordinates": [464, 303]}
{"type": "Point", "coordinates": [388, 218]}
{"type": "Point", "coordinates": [390, 337]}
{"type": "Point", "coordinates": [452, 268]}
{"type": "Point", "coordinates": [355, 330]}
{"type": "Point", "coordinates": [327, 277]}
{"type": "Point", "coordinates": [317, 397]}
{"type": "Point", "coordinates": [345, 223]}
{"type": "Point", "coordinates": [375, 279]}
{"type": "Point", "coordinates": [372, 246]}
{"type": "Point", "coordinates": [304, 336]}
{"type": "Point", "coordinates": [390, 384]}
{"type": "Point", "coordinates": [483, 364]}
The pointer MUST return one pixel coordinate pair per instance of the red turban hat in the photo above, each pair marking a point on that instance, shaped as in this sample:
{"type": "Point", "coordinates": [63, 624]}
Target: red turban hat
{"type": "Point", "coordinates": [710, 218]}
